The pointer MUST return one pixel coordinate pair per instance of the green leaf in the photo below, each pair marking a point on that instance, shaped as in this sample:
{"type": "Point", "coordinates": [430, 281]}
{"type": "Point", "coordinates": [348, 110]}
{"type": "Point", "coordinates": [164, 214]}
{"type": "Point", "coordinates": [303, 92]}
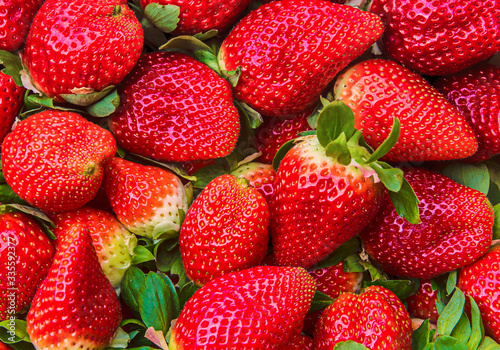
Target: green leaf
{"type": "Point", "coordinates": [166, 254]}
{"type": "Point", "coordinates": [477, 326]}
{"type": "Point", "coordinates": [141, 255]}
{"type": "Point", "coordinates": [335, 118]}
{"type": "Point", "coordinates": [278, 157]}
{"type": "Point", "coordinates": [208, 58]}
{"type": "Point", "coordinates": [420, 336]}
{"type": "Point", "coordinates": [448, 343]}
{"type": "Point", "coordinates": [494, 193]}
{"type": "Point", "coordinates": [7, 195]}
{"type": "Point", "coordinates": [232, 77]}
{"type": "Point", "coordinates": [392, 178]}
{"type": "Point", "coordinates": [106, 106]}
{"type": "Point", "coordinates": [388, 143]}
{"type": "Point", "coordinates": [402, 288]}
{"type": "Point", "coordinates": [207, 35]}
{"type": "Point", "coordinates": [207, 174]}
{"type": "Point", "coordinates": [451, 282]}
{"type": "Point", "coordinates": [164, 17]}
{"type": "Point", "coordinates": [496, 225]}
{"type": "Point", "coordinates": [86, 97]}
{"type": "Point", "coordinates": [13, 66]}
{"type": "Point", "coordinates": [186, 42]}
{"type": "Point", "coordinates": [462, 330]}
{"type": "Point", "coordinates": [475, 175]}
{"type": "Point", "coordinates": [451, 314]}
{"type": "Point", "coordinates": [13, 330]}
{"type": "Point", "coordinates": [489, 344]}
{"type": "Point", "coordinates": [342, 252]}
{"type": "Point", "coordinates": [173, 167]}
{"type": "Point", "coordinates": [186, 292]}
{"type": "Point", "coordinates": [49, 103]}
{"type": "Point", "coordinates": [338, 151]}
{"type": "Point", "coordinates": [349, 345]}
{"type": "Point", "coordinates": [254, 117]}
{"type": "Point", "coordinates": [132, 282]}
{"type": "Point", "coordinates": [352, 263]}
{"type": "Point", "coordinates": [120, 340]}
{"type": "Point", "coordinates": [406, 203]}
{"type": "Point", "coordinates": [320, 301]}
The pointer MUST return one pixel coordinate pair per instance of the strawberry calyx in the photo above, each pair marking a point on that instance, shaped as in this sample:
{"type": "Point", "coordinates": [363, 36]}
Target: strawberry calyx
{"type": "Point", "coordinates": [164, 17]}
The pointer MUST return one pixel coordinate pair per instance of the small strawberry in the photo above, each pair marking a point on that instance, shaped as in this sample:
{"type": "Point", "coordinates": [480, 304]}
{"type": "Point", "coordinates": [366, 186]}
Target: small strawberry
{"type": "Point", "coordinates": [422, 304]}
{"type": "Point", "coordinates": [261, 177]}
{"type": "Point", "coordinates": [175, 108]}
{"type": "Point", "coordinates": [15, 19]}
{"type": "Point", "coordinates": [259, 308]}
{"type": "Point", "coordinates": [431, 128]}
{"type": "Point", "coordinates": [148, 200]}
{"type": "Point", "coordinates": [438, 37]}
{"type": "Point", "coordinates": [375, 318]}
{"type": "Point", "coordinates": [25, 258]}
{"type": "Point", "coordinates": [289, 51]}
{"type": "Point", "coordinates": [11, 102]}
{"type": "Point", "coordinates": [456, 229]}
{"type": "Point", "coordinates": [475, 92]}
{"type": "Point", "coordinates": [75, 307]}
{"type": "Point", "coordinates": [54, 159]}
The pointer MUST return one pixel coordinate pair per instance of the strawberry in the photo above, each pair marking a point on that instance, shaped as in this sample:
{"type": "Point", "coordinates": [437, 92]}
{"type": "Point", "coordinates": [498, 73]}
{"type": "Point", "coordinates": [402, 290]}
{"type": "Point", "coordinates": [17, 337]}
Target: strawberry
{"type": "Point", "coordinates": [300, 342]}
{"type": "Point", "coordinates": [81, 47]}
{"type": "Point", "coordinates": [422, 304]}
{"type": "Point", "coordinates": [333, 280]}
{"type": "Point", "coordinates": [456, 229]}
{"type": "Point", "coordinates": [4, 346]}
{"type": "Point", "coordinates": [11, 102]}
{"type": "Point", "coordinates": [114, 245]}
{"type": "Point", "coordinates": [54, 159]}
{"type": "Point", "coordinates": [438, 37]}
{"type": "Point", "coordinates": [289, 51]}
{"type": "Point", "coordinates": [259, 308]}
{"type": "Point", "coordinates": [25, 258]}
{"type": "Point", "coordinates": [431, 128]}
{"type": "Point", "coordinates": [147, 200]}
{"type": "Point", "coordinates": [261, 177]}
{"type": "Point", "coordinates": [75, 307]}
{"type": "Point", "coordinates": [175, 108]}
{"type": "Point", "coordinates": [481, 281]}
{"type": "Point", "coordinates": [225, 230]}
{"type": "Point", "coordinates": [376, 318]}
{"type": "Point", "coordinates": [475, 92]}
{"type": "Point", "coordinates": [15, 19]}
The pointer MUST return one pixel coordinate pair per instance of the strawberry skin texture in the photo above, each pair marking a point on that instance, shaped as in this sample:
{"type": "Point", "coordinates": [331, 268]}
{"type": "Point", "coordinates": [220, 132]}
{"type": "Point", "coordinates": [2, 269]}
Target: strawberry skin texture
{"type": "Point", "coordinates": [259, 308]}
{"type": "Point", "coordinates": [431, 128]}
{"type": "Point", "coordinates": [54, 159]}
{"type": "Point", "coordinates": [174, 108]}
{"type": "Point", "coordinates": [481, 281]}
{"type": "Point", "coordinates": [225, 230]}
{"type": "Point", "coordinates": [54, 321]}
{"type": "Point", "coordinates": [15, 21]}
{"type": "Point", "coordinates": [145, 199]}
{"type": "Point", "coordinates": [261, 177]}
{"type": "Point", "coordinates": [25, 267]}
{"type": "Point", "coordinates": [11, 102]}
{"type": "Point", "coordinates": [475, 92]}
{"type": "Point", "coordinates": [318, 204]}
{"type": "Point", "coordinates": [375, 318]}
{"type": "Point", "coordinates": [438, 37]}
{"type": "Point", "coordinates": [83, 44]}
{"type": "Point", "coordinates": [422, 304]}
{"type": "Point", "coordinates": [290, 50]}
{"type": "Point", "coordinates": [300, 342]}
{"type": "Point", "coordinates": [456, 229]}
{"type": "Point", "coordinates": [333, 280]}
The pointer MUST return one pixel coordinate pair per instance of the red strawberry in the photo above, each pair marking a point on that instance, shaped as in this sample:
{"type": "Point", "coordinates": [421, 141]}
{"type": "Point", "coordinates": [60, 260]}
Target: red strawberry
{"type": "Point", "coordinates": [438, 37]}
{"type": "Point", "coordinates": [376, 319]}
{"type": "Point", "coordinates": [147, 200]}
{"type": "Point", "coordinates": [333, 280]}
{"type": "Point", "coordinates": [290, 50]}
{"type": "Point", "coordinates": [422, 304]}
{"type": "Point", "coordinates": [481, 281]}
{"type": "Point", "coordinates": [15, 19]}
{"type": "Point", "coordinates": [225, 230]}
{"type": "Point", "coordinates": [175, 108]}
{"type": "Point", "coordinates": [54, 159]}
{"type": "Point", "coordinates": [300, 342]}
{"type": "Point", "coordinates": [431, 128]}
{"type": "Point", "coordinates": [456, 229]}
{"type": "Point", "coordinates": [25, 258]}
{"type": "Point", "coordinates": [4, 346]}
{"type": "Point", "coordinates": [11, 102]}
{"type": "Point", "coordinates": [475, 92]}
{"type": "Point", "coordinates": [82, 46]}
{"type": "Point", "coordinates": [261, 177]}
{"type": "Point", "coordinates": [259, 308]}
{"type": "Point", "coordinates": [193, 166]}
{"type": "Point", "coordinates": [75, 307]}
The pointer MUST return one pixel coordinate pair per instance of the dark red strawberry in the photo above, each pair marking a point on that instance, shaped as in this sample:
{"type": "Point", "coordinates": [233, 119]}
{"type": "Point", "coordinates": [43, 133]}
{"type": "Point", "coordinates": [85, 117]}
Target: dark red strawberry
{"type": "Point", "coordinates": [261, 177]}
{"type": "Point", "coordinates": [11, 102]}
{"type": "Point", "coordinates": [290, 50]}
{"type": "Point", "coordinates": [438, 37]}
{"type": "Point", "coordinates": [15, 19]}
{"type": "Point", "coordinates": [422, 304]}
{"type": "Point", "coordinates": [175, 108]}
{"type": "Point", "coordinates": [54, 159]}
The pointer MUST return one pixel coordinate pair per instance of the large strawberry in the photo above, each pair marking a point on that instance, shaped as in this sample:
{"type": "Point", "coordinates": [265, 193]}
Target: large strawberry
{"type": "Point", "coordinates": [81, 47]}
{"type": "Point", "coordinates": [75, 307]}
{"type": "Point", "coordinates": [456, 229]}
{"type": "Point", "coordinates": [15, 21]}
{"type": "Point", "coordinates": [11, 102]}
{"type": "Point", "coordinates": [289, 51]}
{"type": "Point", "coordinates": [438, 37]}
{"type": "Point", "coordinates": [259, 308]}
{"type": "Point", "coordinates": [431, 128]}
{"type": "Point", "coordinates": [54, 159]}
{"type": "Point", "coordinates": [175, 108]}
{"type": "Point", "coordinates": [25, 258]}
{"type": "Point", "coordinates": [225, 230]}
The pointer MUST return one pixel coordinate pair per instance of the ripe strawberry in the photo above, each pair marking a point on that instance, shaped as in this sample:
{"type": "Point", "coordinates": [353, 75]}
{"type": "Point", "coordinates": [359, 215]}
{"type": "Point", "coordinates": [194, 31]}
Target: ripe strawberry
{"type": "Point", "coordinates": [475, 92]}
{"type": "Point", "coordinates": [15, 19]}
{"type": "Point", "coordinates": [75, 307]}
{"type": "Point", "coordinates": [82, 46]}
{"type": "Point", "coordinates": [481, 281]}
{"type": "Point", "coordinates": [147, 200]}
{"type": "Point", "coordinates": [25, 258]}
{"type": "Point", "coordinates": [113, 243]}
{"type": "Point", "coordinates": [175, 108]}
{"type": "Point", "coordinates": [422, 304]}
{"type": "Point", "coordinates": [54, 159]}
{"type": "Point", "coordinates": [11, 102]}
{"type": "Point", "coordinates": [225, 230]}
{"type": "Point", "coordinates": [376, 319]}
{"type": "Point", "coordinates": [300, 342]}
{"type": "Point", "coordinates": [333, 280]}
{"type": "Point", "coordinates": [456, 229]}
{"type": "Point", "coordinates": [261, 177]}
{"type": "Point", "coordinates": [431, 128]}
{"type": "Point", "coordinates": [4, 346]}
{"type": "Point", "coordinates": [438, 37]}
{"type": "Point", "coordinates": [290, 50]}
{"type": "Point", "coordinates": [259, 308]}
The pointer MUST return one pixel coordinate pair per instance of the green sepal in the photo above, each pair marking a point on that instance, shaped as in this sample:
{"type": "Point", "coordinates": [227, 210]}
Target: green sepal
{"type": "Point", "coordinates": [476, 324]}
{"type": "Point", "coordinates": [352, 263]}
{"type": "Point", "coordinates": [402, 288]}
{"type": "Point", "coordinates": [307, 133]}
{"type": "Point", "coordinates": [120, 340]}
{"type": "Point", "coordinates": [338, 150]}
{"type": "Point", "coordinates": [388, 143]}
{"type": "Point", "coordinates": [350, 247]}
{"type": "Point", "coordinates": [186, 42]}
{"type": "Point", "coordinates": [106, 106]}
{"type": "Point", "coordinates": [349, 345]}
{"type": "Point", "coordinates": [173, 167]}
{"type": "Point", "coordinates": [86, 99]}
{"type": "Point", "coordinates": [8, 196]}
{"type": "Point", "coordinates": [207, 174]}
{"type": "Point", "coordinates": [392, 178]}
{"type": "Point", "coordinates": [164, 17]}
{"type": "Point", "coordinates": [462, 330]}
{"type": "Point", "coordinates": [320, 301]}
{"type": "Point", "coordinates": [254, 118]}
{"type": "Point", "coordinates": [278, 157]}
{"type": "Point", "coordinates": [420, 336]}
{"type": "Point", "coordinates": [48, 102]}
{"type": "Point", "coordinates": [496, 225]}
{"type": "Point", "coordinates": [210, 59]}
{"type": "Point", "coordinates": [141, 255]}
{"type": "Point", "coordinates": [475, 176]}
{"type": "Point", "coordinates": [232, 76]}
{"type": "Point", "coordinates": [405, 203]}
{"type": "Point", "coordinates": [358, 148]}
{"type": "Point", "coordinates": [448, 343]}
{"type": "Point", "coordinates": [333, 120]}
{"type": "Point", "coordinates": [19, 330]}
{"type": "Point", "coordinates": [488, 344]}
{"type": "Point", "coordinates": [451, 314]}
{"type": "Point", "coordinates": [212, 33]}
{"type": "Point", "coordinates": [451, 282]}
{"type": "Point", "coordinates": [13, 66]}
{"type": "Point", "coordinates": [132, 282]}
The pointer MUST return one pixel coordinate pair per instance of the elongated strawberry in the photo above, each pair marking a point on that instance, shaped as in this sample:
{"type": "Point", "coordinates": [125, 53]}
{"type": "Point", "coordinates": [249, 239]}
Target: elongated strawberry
{"type": "Point", "coordinates": [261, 177]}
{"type": "Point", "coordinates": [290, 50]}
{"type": "Point", "coordinates": [148, 200]}
{"type": "Point", "coordinates": [75, 307]}
{"type": "Point", "coordinates": [431, 128]}
{"type": "Point", "coordinates": [11, 102]}
{"type": "Point", "coordinates": [456, 229]}
{"type": "Point", "coordinates": [15, 19]}
{"type": "Point", "coordinates": [422, 304]}
{"type": "Point", "coordinates": [54, 159]}
{"type": "Point", "coordinates": [259, 308]}
{"type": "Point", "coordinates": [175, 108]}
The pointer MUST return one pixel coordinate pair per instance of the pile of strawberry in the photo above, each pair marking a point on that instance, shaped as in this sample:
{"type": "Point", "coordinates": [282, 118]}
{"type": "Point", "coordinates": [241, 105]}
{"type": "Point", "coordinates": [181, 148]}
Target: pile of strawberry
{"type": "Point", "coordinates": [237, 174]}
